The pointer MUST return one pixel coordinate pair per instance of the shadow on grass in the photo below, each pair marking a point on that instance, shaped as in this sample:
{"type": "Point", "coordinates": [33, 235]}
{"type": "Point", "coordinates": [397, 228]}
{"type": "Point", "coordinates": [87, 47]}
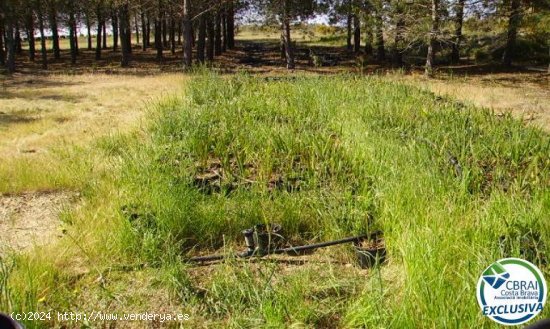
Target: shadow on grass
{"type": "Point", "coordinates": [263, 56]}
{"type": "Point", "coordinates": [10, 119]}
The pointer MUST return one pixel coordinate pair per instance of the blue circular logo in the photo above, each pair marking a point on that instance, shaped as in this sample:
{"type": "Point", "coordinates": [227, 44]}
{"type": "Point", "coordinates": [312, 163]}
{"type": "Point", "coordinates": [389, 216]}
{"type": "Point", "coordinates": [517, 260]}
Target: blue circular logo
{"type": "Point", "coordinates": [511, 291]}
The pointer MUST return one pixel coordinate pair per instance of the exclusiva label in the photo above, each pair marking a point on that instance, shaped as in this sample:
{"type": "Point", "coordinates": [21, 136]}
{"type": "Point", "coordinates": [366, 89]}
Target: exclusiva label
{"type": "Point", "coordinates": [511, 291]}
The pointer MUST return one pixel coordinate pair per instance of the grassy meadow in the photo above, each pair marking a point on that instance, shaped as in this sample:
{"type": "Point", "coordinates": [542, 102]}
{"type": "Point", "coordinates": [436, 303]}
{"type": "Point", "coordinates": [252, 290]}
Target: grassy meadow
{"type": "Point", "coordinates": [453, 187]}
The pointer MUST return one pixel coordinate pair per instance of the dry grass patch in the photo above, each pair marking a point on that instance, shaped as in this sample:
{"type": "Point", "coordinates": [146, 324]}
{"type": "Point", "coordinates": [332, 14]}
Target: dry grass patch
{"type": "Point", "coordinates": [39, 112]}
{"type": "Point", "coordinates": [524, 95]}
{"type": "Point", "coordinates": [42, 118]}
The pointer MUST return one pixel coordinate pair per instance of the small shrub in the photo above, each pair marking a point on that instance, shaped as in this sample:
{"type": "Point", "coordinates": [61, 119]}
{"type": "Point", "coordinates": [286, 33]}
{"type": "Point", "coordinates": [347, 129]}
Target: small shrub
{"type": "Point", "coordinates": [321, 29]}
{"type": "Point", "coordinates": [481, 55]}
{"type": "Point", "coordinates": [361, 62]}
{"type": "Point", "coordinates": [316, 60]}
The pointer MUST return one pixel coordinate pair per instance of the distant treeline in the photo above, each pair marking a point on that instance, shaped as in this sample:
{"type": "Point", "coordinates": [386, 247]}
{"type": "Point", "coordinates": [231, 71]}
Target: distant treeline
{"type": "Point", "coordinates": [386, 29]}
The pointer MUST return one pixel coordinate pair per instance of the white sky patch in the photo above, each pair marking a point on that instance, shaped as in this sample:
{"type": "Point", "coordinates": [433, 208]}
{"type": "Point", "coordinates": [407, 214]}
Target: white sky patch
{"type": "Point", "coordinates": [319, 19]}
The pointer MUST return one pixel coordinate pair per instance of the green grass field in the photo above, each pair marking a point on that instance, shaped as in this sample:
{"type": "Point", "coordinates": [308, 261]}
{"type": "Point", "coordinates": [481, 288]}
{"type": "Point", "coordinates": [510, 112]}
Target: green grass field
{"type": "Point", "coordinates": [452, 186]}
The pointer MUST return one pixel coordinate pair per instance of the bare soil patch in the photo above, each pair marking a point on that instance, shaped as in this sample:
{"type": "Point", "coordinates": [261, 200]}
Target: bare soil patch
{"type": "Point", "coordinates": [32, 219]}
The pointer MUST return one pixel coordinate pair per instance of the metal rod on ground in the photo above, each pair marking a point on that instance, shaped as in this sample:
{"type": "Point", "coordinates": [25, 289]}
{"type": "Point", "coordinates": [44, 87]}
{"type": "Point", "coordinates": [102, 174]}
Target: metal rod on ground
{"type": "Point", "coordinates": [212, 258]}
{"type": "Point", "coordinates": [320, 245]}
{"type": "Point", "coordinates": [249, 254]}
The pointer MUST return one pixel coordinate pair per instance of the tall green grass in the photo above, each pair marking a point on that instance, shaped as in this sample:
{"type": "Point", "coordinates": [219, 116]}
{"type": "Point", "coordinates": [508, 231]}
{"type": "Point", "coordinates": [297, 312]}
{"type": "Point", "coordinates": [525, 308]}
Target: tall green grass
{"type": "Point", "coordinates": [453, 187]}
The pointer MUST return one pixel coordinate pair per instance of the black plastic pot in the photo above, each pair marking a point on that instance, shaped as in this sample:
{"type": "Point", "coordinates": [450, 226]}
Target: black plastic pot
{"type": "Point", "coordinates": [249, 240]}
{"type": "Point", "coordinates": [371, 252]}
{"type": "Point", "coordinates": [268, 238]}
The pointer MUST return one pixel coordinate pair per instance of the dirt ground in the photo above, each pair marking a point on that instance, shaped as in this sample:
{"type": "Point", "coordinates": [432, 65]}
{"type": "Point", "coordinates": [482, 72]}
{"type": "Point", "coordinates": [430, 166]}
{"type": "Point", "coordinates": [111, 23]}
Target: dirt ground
{"type": "Point", "coordinates": [31, 219]}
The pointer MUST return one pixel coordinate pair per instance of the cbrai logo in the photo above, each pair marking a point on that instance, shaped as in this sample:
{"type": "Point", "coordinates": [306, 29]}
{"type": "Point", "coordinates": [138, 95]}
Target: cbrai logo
{"type": "Point", "coordinates": [496, 275]}
{"type": "Point", "coordinates": [511, 291]}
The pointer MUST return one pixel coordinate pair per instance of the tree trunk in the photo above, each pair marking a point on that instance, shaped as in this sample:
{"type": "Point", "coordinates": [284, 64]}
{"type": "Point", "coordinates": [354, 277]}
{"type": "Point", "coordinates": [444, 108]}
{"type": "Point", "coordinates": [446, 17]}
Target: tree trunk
{"type": "Point", "coordinates": [201, 42]}
{"type": "Point", "coordinates": [158, 38]}
{"type": "Point", "coordinates": [224, 29]}
{"type": "Point", "coordinates": [187, 35]}
{"type": "Point", "coordinates": [10, 46]}
{"type": "Point", "coordinates": [192, 35]}
{"type": "Point", "coordinates": [349, 30]}
{"type": "Point", "coordinates": [164, 31]}
{"type": "Point", "coordinates": [55, 33]}
{"type": "Point", "coordinates": [72, 41]}
{"type": "Point", "coordinates": [30, 34]}
{"type": "Point", "coordinates": [172, 34]}
{"type": "Point", "coordinates": [368, 40]}
{"type": "Point", "coordinates": [89, 28]}
{"type": "Point", "coordinates": [513, 24]}
{"type": "Point", "coordinates": [430, 58]}
{"type": "Point", "coordinates": [136, 26]}
{"type": "Point", "coordinates": [143, 30]}
{"type": "Point", "coordinates": [218, 36]}
{"type": "Point", "coordinates": [379, 35]}
{"type": "Point", "coordinates": [2, 54]}
{"type": "Point", "coordinates": [459, 20]}
{"type": "Point", "coordinates": [125, 34]}
{"type": "Point", "coordinates": [230, 25]}
{"type": "Point", "coordinates": [104, 25]}
{"type": "Point", "coordinates": [210, 34]}
{"type": "Point", "coordinates": [18, 43]}
{"type": "Point", "coordinates": [282, 45]}
{"type": "Point", "coordinates": [148, 38]}
{"type": "Point", "coordinates": [128, 38]}
{"type": "Point", "coordinates": [43, 49]}
{"type": "Point", "coordinates": [114, 24]}
{"type": "Point", "coordinates": [75, 30]}
{"type": "Point", "coordinates": [356, 34]}
{"type": "Point", "coordinates": [180, 32]}
{"type": "Point", "coordinates": [289, 49]}
{"type": "Point", "coordinates": [398, 41]}
{"type": "Point", "coordinates": [98, 36]}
